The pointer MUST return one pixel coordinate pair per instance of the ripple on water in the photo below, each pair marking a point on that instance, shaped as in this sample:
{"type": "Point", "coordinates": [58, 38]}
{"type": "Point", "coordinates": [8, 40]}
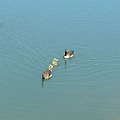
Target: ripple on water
{"type": "Point", "coordinates": [94, 65]}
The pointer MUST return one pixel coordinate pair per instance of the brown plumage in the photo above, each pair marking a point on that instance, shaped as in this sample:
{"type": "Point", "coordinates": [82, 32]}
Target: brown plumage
{"type": "Point", "coordinates": [47, 74]}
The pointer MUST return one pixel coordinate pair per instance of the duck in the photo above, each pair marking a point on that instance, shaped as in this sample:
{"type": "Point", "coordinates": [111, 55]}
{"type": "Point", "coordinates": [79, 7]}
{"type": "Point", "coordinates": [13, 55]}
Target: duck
{"type": "Point", "coordinates": [68, 54]}
{"type": "Point", "coordinates": [50, 66]}
{"type": "Point", "coordinates": [55, 62]}
{"type": "Point", "coordinates": [47, 74]}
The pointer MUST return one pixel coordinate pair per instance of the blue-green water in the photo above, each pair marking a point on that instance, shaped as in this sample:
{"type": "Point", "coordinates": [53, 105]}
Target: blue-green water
{"type": "Point", "coordinates": [33, 32]}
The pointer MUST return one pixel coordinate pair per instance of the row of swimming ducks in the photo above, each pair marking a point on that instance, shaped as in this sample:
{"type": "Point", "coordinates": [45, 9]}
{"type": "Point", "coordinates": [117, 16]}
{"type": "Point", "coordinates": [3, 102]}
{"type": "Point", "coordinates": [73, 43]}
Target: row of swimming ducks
{"type": "Point", "coordinates": [48, 73]}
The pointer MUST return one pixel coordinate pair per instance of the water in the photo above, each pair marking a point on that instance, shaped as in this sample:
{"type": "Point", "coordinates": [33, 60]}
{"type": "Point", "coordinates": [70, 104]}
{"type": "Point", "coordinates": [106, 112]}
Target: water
{"type": "Point", "coordinates": [86, 87]}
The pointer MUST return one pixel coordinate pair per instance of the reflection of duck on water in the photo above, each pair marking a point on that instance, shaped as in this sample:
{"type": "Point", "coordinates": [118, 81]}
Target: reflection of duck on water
{"type": "Point", "coordinates": [68, 54]}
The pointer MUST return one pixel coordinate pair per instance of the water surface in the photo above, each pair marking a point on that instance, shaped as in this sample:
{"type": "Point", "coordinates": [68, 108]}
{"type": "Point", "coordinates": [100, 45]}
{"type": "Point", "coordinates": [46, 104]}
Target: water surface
{"type": "Point", "coordinates": [85, 87]}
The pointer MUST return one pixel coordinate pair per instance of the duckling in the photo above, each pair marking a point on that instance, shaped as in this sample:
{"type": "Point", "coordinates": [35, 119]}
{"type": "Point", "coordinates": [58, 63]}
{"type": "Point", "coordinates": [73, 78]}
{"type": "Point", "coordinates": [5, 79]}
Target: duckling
{"type": "Point", "coordinates": [68, 54]}
{"type": "Point", "coordinates": [50, 66]}
{"type": "Point", "coordinates": [55, 62]}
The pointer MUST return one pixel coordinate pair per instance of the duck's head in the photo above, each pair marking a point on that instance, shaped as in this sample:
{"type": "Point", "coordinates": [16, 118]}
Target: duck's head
{"type": "Point", "coordinates": [65, 52]}
{"type": "Point", "coordinates": [43, 77]}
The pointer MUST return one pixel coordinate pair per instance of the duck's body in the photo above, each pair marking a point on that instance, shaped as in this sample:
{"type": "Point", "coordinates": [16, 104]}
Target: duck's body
{"type": "Point", "coordinates": [68, 54]}
{"type": "Point", "coordinates": [47, 74]}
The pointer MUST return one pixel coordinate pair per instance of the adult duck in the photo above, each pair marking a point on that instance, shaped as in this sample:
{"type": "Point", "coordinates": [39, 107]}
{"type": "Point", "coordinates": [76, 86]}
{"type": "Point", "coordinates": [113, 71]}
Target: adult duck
{"type": "Point", "coordinates": [68, 54]}
{"type": "Point", "coordinates": [47, 74]}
